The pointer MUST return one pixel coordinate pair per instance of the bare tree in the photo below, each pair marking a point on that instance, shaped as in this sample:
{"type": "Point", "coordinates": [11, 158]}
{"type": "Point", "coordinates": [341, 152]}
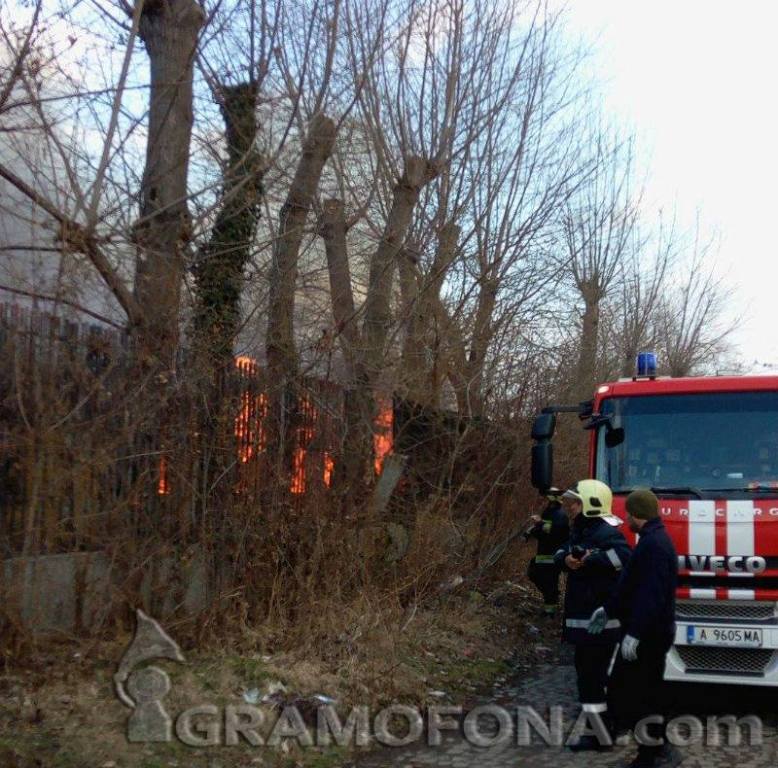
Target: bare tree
{"type": "Point", "coordinates": [518, 167]}
{"type": "Point", "coordinates": [19, 43]}
{"type": "Point", "coordinates": [631, 315]}
{"type": "Point", "coordinates": [170, 32]}
{"type": "Point", "coordinates": [691, 323]}
{"type": "Point", "coordinates": [597, 228]}
{"type": "Point", "coordinates": [82, 211]}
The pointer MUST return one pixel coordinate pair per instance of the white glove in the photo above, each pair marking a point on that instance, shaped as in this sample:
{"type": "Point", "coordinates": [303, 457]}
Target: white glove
{"type": "Point", "coordinates": [629, 648]}
{"type": "Point", "coordinates": [597, 621]}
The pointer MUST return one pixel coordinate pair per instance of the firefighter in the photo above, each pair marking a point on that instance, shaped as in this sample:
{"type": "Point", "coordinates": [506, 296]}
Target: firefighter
{"type": "Point", "coordinates": [593, 559]}
{"type": "Point", "coordinates": [551, 530]}
{"type": "Point", "coordinates": [644, 603]}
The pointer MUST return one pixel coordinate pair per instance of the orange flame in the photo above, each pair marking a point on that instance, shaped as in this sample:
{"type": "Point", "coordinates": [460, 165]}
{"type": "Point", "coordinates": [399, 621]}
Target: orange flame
{"type": "Point", "coordinates": [297, 485]}
{"type": "Point", "coordinates": [329, 469]}
{"type": "Point", "coordinates": [251, 435]}
{"type": "Point", "coordinates": [383, 437]}
{"type": "Point", "coordinates": [249, 427]}
{"type": "Point", "coordinates": [246, 363]}
{"type": "Point", "coordinates": [162, 485]}
{"type": "Point", "coordinates": [304, 436]}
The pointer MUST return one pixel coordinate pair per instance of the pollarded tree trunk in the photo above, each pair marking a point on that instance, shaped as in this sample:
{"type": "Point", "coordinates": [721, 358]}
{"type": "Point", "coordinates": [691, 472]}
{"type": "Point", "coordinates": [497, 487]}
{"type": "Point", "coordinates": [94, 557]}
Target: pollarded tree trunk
{"type": "Point", "coordinates": [279, 341]}
{"type": "Point", "coordinates": [586, 370]}
{"type": "Point", "coordinates": [378, 312]}
{"type": "Point", "coordinates": [219, 277]}
{"type": "Point", "coordinates": [448, 239]}
{"type": "Point", "coordinates": [357, 439]}
{"type": "Point", "coordinates": [366, 349]}
{"type": "Point", "coordinates": [280, 346]}
{"type": "Point", "coordinates": [482, 336]}
{"type": "Point", "coordinates": [422, 366]}
{"type": "Point", "coordinates": [353, 472]}
{"type": "Point", "coordinates": [169, 29]}
{"type": "Point", "coordinates": [219, 270]}
{"type": "Point", "coordinates": [332, 228]}
{"type": "Point", "coordinates": [413, 363]}
{"type": "Point", "coordinates": [378, 315]}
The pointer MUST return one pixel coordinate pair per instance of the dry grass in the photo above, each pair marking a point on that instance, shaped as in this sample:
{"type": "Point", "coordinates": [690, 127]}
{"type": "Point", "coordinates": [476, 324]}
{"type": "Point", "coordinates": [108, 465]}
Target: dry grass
{"type": "Point", "coordinates": [62, 712]}
{"type": "Point", "coordinates": [310, 590]}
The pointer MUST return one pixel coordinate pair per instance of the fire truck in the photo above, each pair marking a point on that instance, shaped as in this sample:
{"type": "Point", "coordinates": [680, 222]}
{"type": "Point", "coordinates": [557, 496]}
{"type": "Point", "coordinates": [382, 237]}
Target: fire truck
{"type": "Point", "coordinates": [708, 448]}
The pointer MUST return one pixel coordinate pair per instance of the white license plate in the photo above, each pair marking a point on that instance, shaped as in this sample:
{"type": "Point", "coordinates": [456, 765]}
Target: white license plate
{"type": "Point", "coordinates": [731, 637]}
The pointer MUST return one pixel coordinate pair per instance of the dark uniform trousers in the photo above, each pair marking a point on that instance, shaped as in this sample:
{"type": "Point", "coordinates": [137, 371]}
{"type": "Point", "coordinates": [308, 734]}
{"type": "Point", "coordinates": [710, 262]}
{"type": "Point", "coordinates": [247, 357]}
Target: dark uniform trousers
{"type": "Point", "coordinates": [544, 574]}
{"type": "Point", "coordinates": [644, 602]}
{"type": "Point", "coordinates": [588, 588]}
{"type": "Point", "coordinates": [636, 690]}
{"type": "Point", "coordinates": [551, 532]}
{"type": "Point", "coordinates": [592, 663]}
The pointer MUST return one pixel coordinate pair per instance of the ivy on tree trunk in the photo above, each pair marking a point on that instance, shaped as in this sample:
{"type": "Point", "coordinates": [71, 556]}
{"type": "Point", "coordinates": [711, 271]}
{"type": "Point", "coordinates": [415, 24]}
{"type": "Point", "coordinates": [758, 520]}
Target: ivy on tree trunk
{"type": "Point", "coordinates": [220, 266]}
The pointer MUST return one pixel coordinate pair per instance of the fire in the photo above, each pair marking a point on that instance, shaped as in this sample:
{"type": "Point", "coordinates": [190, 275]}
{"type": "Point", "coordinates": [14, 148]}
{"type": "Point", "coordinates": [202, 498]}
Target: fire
{"type": "Point", "coordinates": [249, 428]}
{"type": "Point", "coordinates": [308, 414]}
{"type": "Point", "coordinates": [297, 484]}
{"type": "Point", "coordinates": [162, 485]}
{"type": "Point", "coordinates": [329, 469]}
{"type": "Point", "coordinates": [251, 434]}
{"type": "Point", "coordinates": [383, 436]}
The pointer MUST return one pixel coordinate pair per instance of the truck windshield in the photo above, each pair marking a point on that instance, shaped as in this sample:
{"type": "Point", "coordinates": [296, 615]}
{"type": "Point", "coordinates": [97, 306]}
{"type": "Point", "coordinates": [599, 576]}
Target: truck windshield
{"type": "Point", "coordinates": [707, 441]}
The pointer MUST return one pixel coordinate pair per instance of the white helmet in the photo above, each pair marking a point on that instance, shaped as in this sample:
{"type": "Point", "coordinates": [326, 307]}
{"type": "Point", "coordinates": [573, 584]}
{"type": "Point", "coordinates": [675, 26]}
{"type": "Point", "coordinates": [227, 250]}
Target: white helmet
{"type": "Point", "coordinates": [596, 499]}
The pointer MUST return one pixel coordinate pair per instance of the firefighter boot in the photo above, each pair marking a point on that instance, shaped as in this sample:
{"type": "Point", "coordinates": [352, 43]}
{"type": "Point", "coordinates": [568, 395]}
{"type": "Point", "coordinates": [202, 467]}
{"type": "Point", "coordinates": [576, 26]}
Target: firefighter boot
{"type": "Point", "coordinates": [667, 756]}
{"type": "Point", "coordinates": [589, 743]}
{"type": "Point", "coordinates": [602, 739]}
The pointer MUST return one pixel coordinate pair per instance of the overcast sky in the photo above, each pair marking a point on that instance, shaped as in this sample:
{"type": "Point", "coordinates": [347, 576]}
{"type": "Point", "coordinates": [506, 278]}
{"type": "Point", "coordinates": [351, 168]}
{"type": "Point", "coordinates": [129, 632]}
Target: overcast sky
{"type": "Point", "coordinates": [697, 81]}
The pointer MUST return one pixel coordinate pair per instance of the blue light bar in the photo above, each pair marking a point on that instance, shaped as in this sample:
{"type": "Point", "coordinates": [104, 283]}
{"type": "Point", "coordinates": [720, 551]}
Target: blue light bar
{"type": "Point", "coordinates": [646, 364]}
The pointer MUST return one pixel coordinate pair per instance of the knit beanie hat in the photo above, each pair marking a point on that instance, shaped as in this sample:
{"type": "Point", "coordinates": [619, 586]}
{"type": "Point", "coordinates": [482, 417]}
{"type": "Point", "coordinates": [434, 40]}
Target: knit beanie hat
{"type": "Point", "coordinates": [642, 504]}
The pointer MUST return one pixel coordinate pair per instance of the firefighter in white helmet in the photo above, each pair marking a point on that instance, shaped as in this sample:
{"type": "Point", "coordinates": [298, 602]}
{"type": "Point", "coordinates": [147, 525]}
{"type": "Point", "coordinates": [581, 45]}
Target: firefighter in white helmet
{"type": "Point", "coordinates": [593, 559]}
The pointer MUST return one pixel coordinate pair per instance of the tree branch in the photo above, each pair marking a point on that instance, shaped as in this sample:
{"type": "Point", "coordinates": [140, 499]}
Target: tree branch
{"type": "Point", "coordinates": [73, 235]}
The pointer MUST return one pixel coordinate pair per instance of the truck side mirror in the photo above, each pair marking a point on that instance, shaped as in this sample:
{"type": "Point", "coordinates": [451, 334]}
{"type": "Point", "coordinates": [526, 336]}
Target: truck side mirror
{"type": "Point", "coordinates": [614, 437]}
{"type": "Point", "coordinates": [543, 427]}
{"type": "Point", "coordinates": [542, 468]}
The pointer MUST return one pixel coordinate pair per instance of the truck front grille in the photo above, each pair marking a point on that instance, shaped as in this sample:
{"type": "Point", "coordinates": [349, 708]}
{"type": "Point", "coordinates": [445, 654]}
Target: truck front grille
{"type": "Point", "coordinates": [724, 661]}
{"type": "Point", "coordinates": [739, 610]}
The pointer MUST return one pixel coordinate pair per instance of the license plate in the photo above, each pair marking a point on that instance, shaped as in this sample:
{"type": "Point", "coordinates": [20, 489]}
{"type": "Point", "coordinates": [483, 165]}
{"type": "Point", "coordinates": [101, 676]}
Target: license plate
{"type": "Point", "coordinates": [731, 637]}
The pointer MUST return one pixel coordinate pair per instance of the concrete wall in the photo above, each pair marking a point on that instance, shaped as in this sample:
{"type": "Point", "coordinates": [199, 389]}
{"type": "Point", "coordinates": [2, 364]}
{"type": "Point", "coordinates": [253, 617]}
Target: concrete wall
{"type": "Point", "coordinates": [76, 592]}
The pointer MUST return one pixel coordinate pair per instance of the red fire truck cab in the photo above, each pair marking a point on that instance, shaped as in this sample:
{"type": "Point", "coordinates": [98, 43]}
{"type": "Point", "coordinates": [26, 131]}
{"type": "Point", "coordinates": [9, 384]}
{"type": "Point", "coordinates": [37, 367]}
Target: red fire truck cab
{"type": "Point", "coordinates": [708, 447]}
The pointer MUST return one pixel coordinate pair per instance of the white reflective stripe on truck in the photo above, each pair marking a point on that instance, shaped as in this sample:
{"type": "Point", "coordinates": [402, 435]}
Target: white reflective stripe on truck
{"type": "Point", "coordinates": [702, 527]}
{"type": "Point", "coordinates": [730, 594]}
{"type": "Point", "coordinates": [741, 594]}
{"type": "Point", "coordinates": [740, 528]}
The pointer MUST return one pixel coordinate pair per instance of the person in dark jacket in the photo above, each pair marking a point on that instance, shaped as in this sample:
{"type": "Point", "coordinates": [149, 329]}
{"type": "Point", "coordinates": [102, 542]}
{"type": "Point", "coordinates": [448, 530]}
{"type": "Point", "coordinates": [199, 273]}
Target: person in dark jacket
{"type": "Point", "coordinates": [593, 559]}
{"type": "Point", "coordinates": [551, 530]}
{"type": "Point", "coordinates": [644, 603]}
